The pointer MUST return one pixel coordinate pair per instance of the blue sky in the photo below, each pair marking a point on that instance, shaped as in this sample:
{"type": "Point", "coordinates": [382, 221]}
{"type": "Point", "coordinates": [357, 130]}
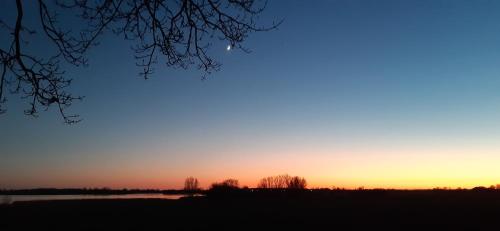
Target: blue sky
{"type": "Point", "coordinates": [341, 88]}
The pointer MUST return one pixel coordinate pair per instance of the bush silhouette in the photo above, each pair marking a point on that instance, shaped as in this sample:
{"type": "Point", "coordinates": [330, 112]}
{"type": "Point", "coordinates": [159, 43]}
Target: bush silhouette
{"type": "Point", "coordinates": [224, 188]}
{"type": "Point", "coordinates": [229, 184]}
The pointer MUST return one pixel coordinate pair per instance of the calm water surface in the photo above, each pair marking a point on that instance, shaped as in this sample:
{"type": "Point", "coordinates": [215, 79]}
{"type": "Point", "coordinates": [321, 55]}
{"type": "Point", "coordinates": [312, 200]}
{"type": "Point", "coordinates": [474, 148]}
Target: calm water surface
{"type": "Point", "coordinates": [13, 198]}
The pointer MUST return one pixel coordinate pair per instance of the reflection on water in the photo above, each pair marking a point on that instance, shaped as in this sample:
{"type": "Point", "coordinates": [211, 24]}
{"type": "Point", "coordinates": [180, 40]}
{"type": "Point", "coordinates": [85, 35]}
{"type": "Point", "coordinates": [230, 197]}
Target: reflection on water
{"type": "Point", "coordinates": [6, 199]}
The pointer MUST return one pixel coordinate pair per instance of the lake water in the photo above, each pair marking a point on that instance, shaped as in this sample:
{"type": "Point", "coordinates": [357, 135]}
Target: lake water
{"type": "Point", "coordinates": [13, 198]}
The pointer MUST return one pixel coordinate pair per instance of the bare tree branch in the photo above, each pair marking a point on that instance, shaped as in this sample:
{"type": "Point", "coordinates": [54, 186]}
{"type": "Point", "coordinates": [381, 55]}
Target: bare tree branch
{"type": "Point", "coordinates": [178, 32]}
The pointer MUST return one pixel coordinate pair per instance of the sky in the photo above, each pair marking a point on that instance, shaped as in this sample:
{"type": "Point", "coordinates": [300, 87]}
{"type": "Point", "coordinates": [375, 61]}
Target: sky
{"type": "Point", "coordinates": [379, 94]}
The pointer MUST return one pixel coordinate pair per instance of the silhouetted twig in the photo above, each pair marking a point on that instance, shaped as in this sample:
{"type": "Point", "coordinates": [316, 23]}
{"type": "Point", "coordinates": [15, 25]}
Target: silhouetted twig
{"type": "Point", "coordinates": [179, 32]}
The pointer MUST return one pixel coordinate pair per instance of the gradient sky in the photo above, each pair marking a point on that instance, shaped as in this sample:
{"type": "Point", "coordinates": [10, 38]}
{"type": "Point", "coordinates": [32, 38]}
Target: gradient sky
{"type": "Point", "coordinates": [396, 94]}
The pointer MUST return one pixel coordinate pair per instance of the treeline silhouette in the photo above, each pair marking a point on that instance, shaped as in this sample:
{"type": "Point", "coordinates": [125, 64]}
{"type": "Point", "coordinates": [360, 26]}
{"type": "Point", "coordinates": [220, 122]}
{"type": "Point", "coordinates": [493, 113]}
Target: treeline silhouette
{"type": "Point", "coordinates": [191, 186]}
{"type": "Point", "coordinates": [280, 183]}
{"type": "Point", "coordinates": [85, 191]}
{"type": "Point", "coordinates": [231, 187]}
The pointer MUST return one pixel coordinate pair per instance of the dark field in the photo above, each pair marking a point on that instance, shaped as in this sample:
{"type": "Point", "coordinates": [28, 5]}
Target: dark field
{"type": "Point", "coordinates": [306, 210]}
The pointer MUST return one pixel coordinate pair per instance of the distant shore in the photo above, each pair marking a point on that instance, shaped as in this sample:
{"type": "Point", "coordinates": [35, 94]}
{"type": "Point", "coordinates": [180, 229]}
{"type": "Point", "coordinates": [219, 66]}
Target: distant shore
{"type": "Point", "coordinates": [90, 191]}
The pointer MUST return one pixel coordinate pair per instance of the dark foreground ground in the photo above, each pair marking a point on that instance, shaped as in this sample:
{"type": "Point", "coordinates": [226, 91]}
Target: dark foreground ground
{"type": "Point", "coordinates": [325, 210]}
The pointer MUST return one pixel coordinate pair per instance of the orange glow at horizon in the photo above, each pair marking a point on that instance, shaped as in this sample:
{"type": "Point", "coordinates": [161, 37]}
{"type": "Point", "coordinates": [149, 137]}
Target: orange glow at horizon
{"type": "Point", "coordinates": [392, 169]}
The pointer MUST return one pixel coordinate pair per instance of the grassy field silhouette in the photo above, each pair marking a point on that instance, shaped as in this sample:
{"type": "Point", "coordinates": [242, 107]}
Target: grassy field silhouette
{"type": "Point", "coordinates": [252, 209]}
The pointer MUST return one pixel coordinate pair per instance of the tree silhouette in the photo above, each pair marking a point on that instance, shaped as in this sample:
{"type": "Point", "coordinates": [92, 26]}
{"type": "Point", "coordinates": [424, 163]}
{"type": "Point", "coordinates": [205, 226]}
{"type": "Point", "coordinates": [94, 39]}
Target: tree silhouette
{"type": "Point", "coordinates": [274, 182]}
{"type": "Point", "coordinates": [179, 32]}
{"type": "Point", "coordinates": [191, 184]}
{"type": "Point", "coordinates": [297, 183]}
{"type": "Point", "coordinates": [282, 181]}
{"type": "Point", "coordinates": [266, 183]}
